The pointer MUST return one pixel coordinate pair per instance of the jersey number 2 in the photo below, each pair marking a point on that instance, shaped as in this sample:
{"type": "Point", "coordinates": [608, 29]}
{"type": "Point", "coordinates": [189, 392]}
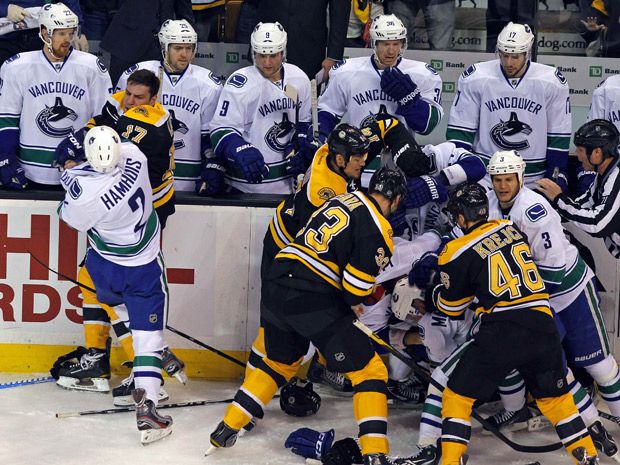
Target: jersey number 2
{"type": "Point", "coordinates": [137, 202]}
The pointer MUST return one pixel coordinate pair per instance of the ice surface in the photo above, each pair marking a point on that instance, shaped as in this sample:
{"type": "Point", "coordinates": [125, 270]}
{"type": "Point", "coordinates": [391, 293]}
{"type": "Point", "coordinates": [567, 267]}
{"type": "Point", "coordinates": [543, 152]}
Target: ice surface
{"type": "Point", "coordinates": [31, 435]}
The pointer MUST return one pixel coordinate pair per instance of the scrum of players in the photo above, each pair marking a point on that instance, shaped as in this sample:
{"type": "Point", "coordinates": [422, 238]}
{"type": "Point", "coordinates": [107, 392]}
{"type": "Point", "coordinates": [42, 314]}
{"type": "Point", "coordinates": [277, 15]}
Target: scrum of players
{"type": "Point", "coordinates": [509, 130]}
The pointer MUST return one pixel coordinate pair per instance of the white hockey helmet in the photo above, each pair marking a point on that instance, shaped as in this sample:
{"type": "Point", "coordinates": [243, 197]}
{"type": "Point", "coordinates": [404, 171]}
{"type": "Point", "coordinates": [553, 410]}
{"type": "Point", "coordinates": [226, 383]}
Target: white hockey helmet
{"type": "Point", "coordinates": [102, 146]}
{"type": "Point", "coordinates": [268, 38]}
{"type": "Point", "coordinates": [56, 16]}
{"type": "Point", "coordinates": [387, 27]}
{"type": "Point", "coordinates": [515, 38]}
{"type": "Point", "coordinates": [176, 31]}
{"type": "Point", "coordinates": [506, 162]}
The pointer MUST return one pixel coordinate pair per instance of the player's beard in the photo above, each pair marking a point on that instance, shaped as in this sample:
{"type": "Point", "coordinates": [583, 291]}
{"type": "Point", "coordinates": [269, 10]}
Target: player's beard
{"type": "Point", "coordinates": [62, 51]}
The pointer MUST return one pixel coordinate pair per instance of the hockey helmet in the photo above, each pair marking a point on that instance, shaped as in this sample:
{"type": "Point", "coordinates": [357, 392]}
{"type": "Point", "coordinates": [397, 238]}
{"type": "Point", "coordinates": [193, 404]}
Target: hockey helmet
{"type": "Point", "coordinates": [56, 16]}
{"type": "Point", "coordinates": [387, 27]}
{"type": "Point", "coordinates": [176, 31]}
{"type": "Point", "coordinates": [102, 146]}
{"type": "Point", "coordinates": [348, 141]}
{"type": "Point", "coordinates": [268, 38]}
{"type": "Point", "coordinates": [470, 200]}
{"type": "Point", "coordinates": [505, 162]}
{"type": "Point", "coordinates": [598, 133]}
{"type": "Point", "coordinates": [515, 38]}
{"type": "Point", "coordinates": [299, 400]}
{"type": "Point", "coordinates": [389, 182]}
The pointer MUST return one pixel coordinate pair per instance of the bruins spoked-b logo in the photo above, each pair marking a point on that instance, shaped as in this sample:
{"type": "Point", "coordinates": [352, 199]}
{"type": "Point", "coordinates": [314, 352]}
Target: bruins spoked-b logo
{"type": "Point", "coordinates": [280, 134]}
{"type": "Point", "coordinates": [58, 113]}
{"type": "Point", "coordinates": [503, 132]}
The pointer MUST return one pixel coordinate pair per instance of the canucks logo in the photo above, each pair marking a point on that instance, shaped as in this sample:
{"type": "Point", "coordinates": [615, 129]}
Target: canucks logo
{"type": "Point", "coordinates": [513, 126]}
{"type": "Point", "coordinates": [57, 113]}
{"type": "Point", "coordinates": [178, 125]}
{"type": "Point", "coordinates": [279, 135]}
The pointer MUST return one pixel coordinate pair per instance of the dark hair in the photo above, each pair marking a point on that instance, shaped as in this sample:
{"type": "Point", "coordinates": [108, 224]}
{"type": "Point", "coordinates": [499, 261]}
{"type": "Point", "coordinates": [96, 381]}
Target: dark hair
{"type": "Point", "coordinates": [146, 78]}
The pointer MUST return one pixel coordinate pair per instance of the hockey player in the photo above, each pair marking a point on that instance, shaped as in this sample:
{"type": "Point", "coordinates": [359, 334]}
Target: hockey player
{"type": "Point", "coordinates": [512, 103]}
{"type": "Point", "coordinates": [256, 124]}
{"type": "Point", "coordinates": [360, 86]}
{"type": "Point", "coordinates": [44, 95]}
{"type": "Point", "coordinates": [315, 286]}
{"type": "Point", "coordinates": [110, 199]}
{"type": "Point", "coordinates": [596, 212]}
{"type": "Point", "coordinates": [492, 262]}
{"type": "Point", "coordinates": [190, 95]}
{"type": "Point", "coordinates": [605, 99]}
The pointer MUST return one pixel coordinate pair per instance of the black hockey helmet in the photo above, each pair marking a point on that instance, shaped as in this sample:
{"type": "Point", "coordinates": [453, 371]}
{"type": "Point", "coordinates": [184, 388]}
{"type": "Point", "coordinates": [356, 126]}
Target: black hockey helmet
{"type": "Point", "coordinates": [389, 182]}
{"type": "Point", "coordinates": [470, 200]}
{"type": "Point", "coordinates": [598, 133]}
{"type": "Point", "coordinates": [347, 140]}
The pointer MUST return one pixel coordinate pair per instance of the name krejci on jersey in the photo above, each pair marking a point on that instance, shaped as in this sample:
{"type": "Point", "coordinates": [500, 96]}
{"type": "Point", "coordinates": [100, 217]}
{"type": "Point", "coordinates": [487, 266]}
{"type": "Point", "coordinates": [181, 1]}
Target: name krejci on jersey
{"type": "Point", "coordinates": [520, 103]}
{"type": "Point", "coordinates": [128, 179]}
{"type": "Point", "coordinates": [171, 100]}
{"type": "Point", "coordinates": [371, 95]}
{"type": "Point", "coordinates": [279, 104]}
{"type": "Point", "coordinates": [57, 87]}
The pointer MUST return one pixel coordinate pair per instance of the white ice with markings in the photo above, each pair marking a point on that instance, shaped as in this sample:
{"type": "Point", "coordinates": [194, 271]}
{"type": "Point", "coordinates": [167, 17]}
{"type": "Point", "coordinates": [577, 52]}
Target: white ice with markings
{"type": "Point", "coordinates": [30, 434]}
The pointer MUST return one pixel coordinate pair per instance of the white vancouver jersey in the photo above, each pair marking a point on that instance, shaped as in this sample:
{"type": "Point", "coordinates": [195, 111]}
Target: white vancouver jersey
{"type": "Point", "coordinates": [441, 334]}
{"type": "Point", "coordinates": [46, 101]}
{"type": "Point", "coordinates": [491, 112]}
{"type": "Point", "coordinates": [354, 88]}
{"type": "Point", "coordinates": [191, 99]}
{"type": "Point", "coordinates": [430, 216]}
{"type": "Point", "coordinates": [114, 209]}
{"type": "Point", "coordinates": [606, 101]}
{"type": "Point", "coordinates": [557, 259]}
{"type": "Point", "coordinates": [259, 111]}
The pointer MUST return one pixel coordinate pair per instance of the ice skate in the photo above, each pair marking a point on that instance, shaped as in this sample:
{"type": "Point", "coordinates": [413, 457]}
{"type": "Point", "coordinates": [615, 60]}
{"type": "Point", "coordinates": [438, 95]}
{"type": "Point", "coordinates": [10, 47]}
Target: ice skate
{"type": "Point", "coordinates": [377, 459]}
{"type": "Point", "coordinates": [152, 425]}
{"type": "Point", "coordinates": [121, 394]}
{"type": "Point", "coordinates": [406, 391]}
{"type": "Point", "coordinates": [173, 365]}
{"type": "Point", "coordinates": [90, 373]}
{"type": "Point", "coordinates": [507, 420]}
{"type": "Point", "coordinates": [603, 441]}
{"type": "Point", "coordinates": [427, 455]}
{"type": "Point", "coordinates": [223, 436]}
{"type": "Point", "coordinates": [582, 458]}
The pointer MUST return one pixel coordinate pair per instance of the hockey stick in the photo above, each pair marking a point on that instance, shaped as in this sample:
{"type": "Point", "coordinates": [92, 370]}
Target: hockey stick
{"type": "Point", "coordinates": [609, 417]}
{"type": "Point", "coordinates": [186, 336]}
{"type": "Point", "coordinates": [206, 346]}
{"type": "Point", "coordinates": [426, 377]}
{"type": "Point", "coordinates": [132, 408]}
{"type": "Point", "coordinates": [314, 105]}
{"type": "Point", "coordinates": [26, 382]}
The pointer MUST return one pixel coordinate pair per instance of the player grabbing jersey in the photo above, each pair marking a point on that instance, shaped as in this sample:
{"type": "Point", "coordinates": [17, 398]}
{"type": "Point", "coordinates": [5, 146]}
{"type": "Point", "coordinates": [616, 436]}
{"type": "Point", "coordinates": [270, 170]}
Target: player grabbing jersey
{"type": "Point", "coordinates": [109, 198]}
{"type": "Point", "coordinates": [257, 124]}
{"type": "Point", "coordinates": [44, 96]}
{"type": "Point", "coordinates": [512, 103]}
{"type": "Point", "coordinates": [360, 86]}
{"type": "Point", "coordinates": [190, 95]}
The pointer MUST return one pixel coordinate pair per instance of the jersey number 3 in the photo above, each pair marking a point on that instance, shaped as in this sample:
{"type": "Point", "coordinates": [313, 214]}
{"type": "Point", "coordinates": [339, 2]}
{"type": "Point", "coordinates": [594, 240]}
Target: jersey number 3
{"type": "Point", "coordinates": [318, 239]}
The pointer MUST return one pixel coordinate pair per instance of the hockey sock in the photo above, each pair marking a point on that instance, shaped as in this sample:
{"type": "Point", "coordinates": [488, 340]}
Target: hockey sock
{"type": "Point", "coordinates": [257, 353]}
{"type": "Point", "coordinates": [582, 400]}
{"type": "Point", "coordinates": [512, 391]}
{"type": "Point", "coordinates": [456, 427]}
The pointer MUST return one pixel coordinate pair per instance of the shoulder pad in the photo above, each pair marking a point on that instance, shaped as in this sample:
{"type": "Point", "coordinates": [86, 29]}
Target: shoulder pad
{"type": "Point", "coordinates": [131, 69]}
{"type": "Point", "coordinates": [15, 57]}
{"type": "Point", "coordinates": [237, 80]}
{"type": "Point", "coordinates": [430, 68]}
{"type": "Point", "coordinates": [338, 64]}
{"type": "Point", "coordinates": [560, 76]}
{"type": "Point", "coordinates": [469, 71]}
{"type": "Point", "coordinates": [101, 66]}
{"type": "Point", "coordinates": [214, 78]}
{"type": "Point", "coordinates": [536, 212]}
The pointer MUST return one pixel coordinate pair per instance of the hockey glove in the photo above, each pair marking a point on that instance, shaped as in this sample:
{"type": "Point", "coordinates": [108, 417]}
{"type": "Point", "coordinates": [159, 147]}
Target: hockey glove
{"type": "Point", "coordinates": [344, 452]}
{"type": "Point", "coordinates": [310, 443]}
{"type": "Point", "coordinates": [12, 176]}
{"type": "Point", "coordinates": [16, 13]}
{"type": "Point", "coordinates": [299, 155]}
{"type": "Point", "coordinates": [211, 179]}
{"type": "Point", "coordinates": [584, 181]}
{"type": "Point", "coordinates": [399, 86]}
{"type": "Point", "coordinates": [299, 400]}
{"type": "Point", "coordinates": [69, 149]}
{"type": "Point", "coordinates": [81, 43]}
{"type": "Point", "coordinates": [424, 270]}
{"type": "Point", "coordinates": [425, 189]}
{"type": "Point", "coordinates": [251, 162]}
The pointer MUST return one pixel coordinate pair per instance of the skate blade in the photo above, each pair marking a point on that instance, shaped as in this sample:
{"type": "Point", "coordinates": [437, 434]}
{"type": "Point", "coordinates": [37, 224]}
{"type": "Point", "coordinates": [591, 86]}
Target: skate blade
{"type": "Point", "coordinates": [181, 376]}
{"type": "Point", "coordinates": [92, 384]}
{"type": "Point", "coordinates": [616, 457]}
{"type": "Point", "coordinates": [211, 450]}
{"type": "Point", "coordinates": [538, 423]}
{"type": "Point", "coordinates": [149, 436]}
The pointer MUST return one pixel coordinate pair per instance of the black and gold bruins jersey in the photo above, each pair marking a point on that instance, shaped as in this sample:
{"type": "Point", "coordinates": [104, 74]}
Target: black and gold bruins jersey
{"type": "Point", "coordinates": [150, 128]}
{"type": "Point", "coordinates": [319, 184]}
{"type": "Point", "coordinates": [344, 246]}
{"type": "Point", "coordinates": [492, 263]}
